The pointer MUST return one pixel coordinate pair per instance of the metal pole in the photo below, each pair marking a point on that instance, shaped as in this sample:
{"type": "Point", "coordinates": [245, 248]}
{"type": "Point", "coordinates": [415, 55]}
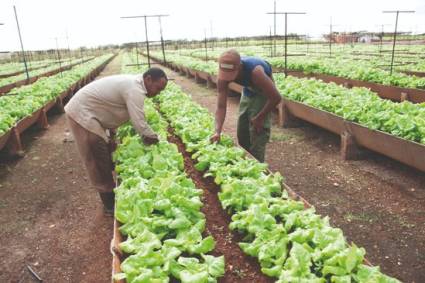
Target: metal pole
{"type": "Point", "coordinates": [82, 54]}
{"type": "Point", "coordinates": [382, 38]}
{"type": "Point", "coordinates": [308, 44]}
{"type": "Point", "coordinates": [394, 39]}
{"type": "Point", "coordinates": [395, 34]}
{"type": "Point", "coordinates": [147, 41]}
{"type": "Point", "coordinates": [137, 54]}
{"type": "Point", "coordinates": [212, 37]}
{"type": "Point", "coordinates": [206, 50]}
{"type": "Point", "coordinates": [22, 45]}
{"type": "Point", "coordinates": [146, 31]}
{"type": "Point", "coordinates": [162, 40]}
{"type": "Point", "coordinates": [274, 31]}
{"type": "Point", "coordinates": [271, 43]}
{"type": "Point", "coordinates": [59, 56]}
{"type": "Point", "coordinates": [69, 50]}
{"type": "Point", "coordinates": [286, 32]}
{"type": "Point", "coordinates": [330, 38]}
{"type": "Point", "coordinates": [286, 44]}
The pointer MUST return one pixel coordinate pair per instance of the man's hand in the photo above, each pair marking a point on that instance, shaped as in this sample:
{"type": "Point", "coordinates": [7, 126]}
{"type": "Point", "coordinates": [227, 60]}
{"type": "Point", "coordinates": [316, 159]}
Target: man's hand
{"type": "Point", "coordinates": [150, 140]}
{"type": "Point", "coordinates": [258, 123]}
{"type": "Point", "coordinates": [215, 138]}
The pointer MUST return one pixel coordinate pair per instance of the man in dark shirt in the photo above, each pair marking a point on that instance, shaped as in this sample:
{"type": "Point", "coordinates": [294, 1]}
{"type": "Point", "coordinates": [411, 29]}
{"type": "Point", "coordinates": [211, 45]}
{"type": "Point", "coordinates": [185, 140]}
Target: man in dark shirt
{"type": "Point", "coordinates": [259, 97]}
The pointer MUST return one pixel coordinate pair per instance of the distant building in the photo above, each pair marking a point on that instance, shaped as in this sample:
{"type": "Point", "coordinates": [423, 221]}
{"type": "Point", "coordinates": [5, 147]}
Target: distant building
{"type": "Point", "coordinates": [353, 37]}
{"type": "Point", "coordinates": [347, 37]}
{"type": "Point", "coordinates": [5, 55]}
{"type": "Point", "coordinates": [368, 38]}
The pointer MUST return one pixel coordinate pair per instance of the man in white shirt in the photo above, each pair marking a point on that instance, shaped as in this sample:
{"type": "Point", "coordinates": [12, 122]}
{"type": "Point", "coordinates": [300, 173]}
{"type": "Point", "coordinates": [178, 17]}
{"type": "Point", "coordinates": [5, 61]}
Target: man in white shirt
{"type": "Point", "coordinates": [106, 104]}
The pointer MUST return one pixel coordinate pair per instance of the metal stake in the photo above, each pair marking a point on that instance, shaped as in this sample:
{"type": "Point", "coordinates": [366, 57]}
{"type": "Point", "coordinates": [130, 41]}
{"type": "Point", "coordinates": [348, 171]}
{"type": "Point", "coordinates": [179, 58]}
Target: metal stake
{"type": "Point", "coordinates": [69, 50]}
{"type": "Point", "coordinates": [274, 30]}
{"type": "Point", "coordinates": [330, 38]}
{"type": "Point", "coordinates": [22, 45]}
{"type": "Point", "coordinates": [146, 30]}
{"type": "Point", "coordinates": [271, 43]}
{"type": "Point", "coordinates": [162, 41]}
{"type": "Point", "coordinates": [395, 34]}
{"type": "Point", "coordinates": [147, 42]}
{"type": "Point", "coordinates": [206, 49]}
{"type": "Point", "coordinates": [59, 56]}
{"type": "Point", "coordinates": [286, 35]}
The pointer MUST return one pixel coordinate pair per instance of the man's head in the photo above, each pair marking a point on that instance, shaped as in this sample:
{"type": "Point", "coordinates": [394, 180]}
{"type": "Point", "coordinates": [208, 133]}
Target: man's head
{"type": "Point", "coordinates": [229, 65]}
{"type": "Point", "coordinates": [155, 81]}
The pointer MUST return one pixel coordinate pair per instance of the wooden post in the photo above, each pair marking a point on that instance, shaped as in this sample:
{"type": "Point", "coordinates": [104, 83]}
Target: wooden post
{"type": "Point", "coordinates": [42, 120]}
{"type": "Point", "coordinates": [14, 145]}
{"type": "Point", "coordinates": [286, 119]}
{"type": "Point", "coordinates": [198, 79]}
{"type": "Point", "coordinates": [59, 105]}
{"type": "Point", "coordinates": [210, 83]}
{"type": "Point", "coordinates": [349, 148]}
{"type": "Point", "coordinates": [404, 96]}
{"type": "Point", "coordinates": [347, 85]}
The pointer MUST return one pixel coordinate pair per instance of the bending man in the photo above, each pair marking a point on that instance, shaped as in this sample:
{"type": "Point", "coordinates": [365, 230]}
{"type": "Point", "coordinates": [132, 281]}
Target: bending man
{"type": "Point", "coordinates": [105, 104]}
{"type": "Point", "coordinates": [259, 98]}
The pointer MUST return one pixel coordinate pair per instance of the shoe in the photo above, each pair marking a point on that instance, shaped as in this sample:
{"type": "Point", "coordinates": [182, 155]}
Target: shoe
{"type": "Point", "coordinates": [108, 200]}
{"type": "Point", "coordinates": [108, 212]}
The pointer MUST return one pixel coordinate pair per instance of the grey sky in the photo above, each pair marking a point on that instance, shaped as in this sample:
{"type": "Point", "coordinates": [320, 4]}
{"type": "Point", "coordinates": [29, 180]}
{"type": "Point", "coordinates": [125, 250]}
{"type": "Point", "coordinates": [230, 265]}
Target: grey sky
{"type": "Point", "coordinates": [95, 22]}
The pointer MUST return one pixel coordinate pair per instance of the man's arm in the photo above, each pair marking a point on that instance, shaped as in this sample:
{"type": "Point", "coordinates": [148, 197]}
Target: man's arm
{"type": "Point", "coordinates": [266, 84]}
{"type": "Point", "coordinates": [220, 113]}
{"type": "Point", "coordinates": [136, 112]}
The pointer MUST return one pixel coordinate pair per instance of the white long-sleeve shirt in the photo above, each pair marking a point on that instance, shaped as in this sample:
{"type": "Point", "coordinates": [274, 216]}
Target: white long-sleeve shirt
{"type": "Point", "coordinates": [109, 102]}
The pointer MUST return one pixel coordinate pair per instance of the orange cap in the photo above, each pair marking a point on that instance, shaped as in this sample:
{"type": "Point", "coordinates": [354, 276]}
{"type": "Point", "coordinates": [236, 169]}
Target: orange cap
{"type": "Point", "coordinates": [228, 65]}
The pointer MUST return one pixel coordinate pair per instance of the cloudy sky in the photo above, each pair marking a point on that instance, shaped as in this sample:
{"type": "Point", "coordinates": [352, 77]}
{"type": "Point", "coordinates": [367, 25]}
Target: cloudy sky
{"type": "Point", "coordinates": [96, 22]}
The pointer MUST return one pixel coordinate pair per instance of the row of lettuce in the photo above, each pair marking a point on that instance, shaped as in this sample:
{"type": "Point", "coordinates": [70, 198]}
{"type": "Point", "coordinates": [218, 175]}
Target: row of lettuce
{"type": "Point", "coordinates": [23, 101]}
{"type": "Point", "coordinates": [407, 57]}
{"type": "Point", "coordinates": [360, 105]}
{"type": "Point", "coordinates": [8, 68]}
{"type": "Point", "coordinates": [370, 70]}
{"type": "Point", "coordinates": [405, 120]}
{"type": "Point", "coordinates": [159, 207]}
{"type": "Point", "coordinates": [292, 244]}
{"type": "Point", "coordinates": [35, 72]}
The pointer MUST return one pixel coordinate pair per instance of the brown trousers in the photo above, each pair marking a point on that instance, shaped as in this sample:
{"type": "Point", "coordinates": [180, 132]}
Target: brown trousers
{"type": "Point", "coordinates": [96, 156]}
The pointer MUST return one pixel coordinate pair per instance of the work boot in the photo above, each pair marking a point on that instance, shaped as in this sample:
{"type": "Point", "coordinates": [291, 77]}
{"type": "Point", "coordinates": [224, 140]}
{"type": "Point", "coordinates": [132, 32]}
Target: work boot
{"type": "Point", "coordinates": [108, 200]}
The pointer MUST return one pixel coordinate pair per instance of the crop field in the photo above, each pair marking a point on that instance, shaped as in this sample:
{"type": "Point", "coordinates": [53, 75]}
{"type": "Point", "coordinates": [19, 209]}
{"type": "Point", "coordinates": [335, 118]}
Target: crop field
{"type": "Point", "coordinates": [339, 198]}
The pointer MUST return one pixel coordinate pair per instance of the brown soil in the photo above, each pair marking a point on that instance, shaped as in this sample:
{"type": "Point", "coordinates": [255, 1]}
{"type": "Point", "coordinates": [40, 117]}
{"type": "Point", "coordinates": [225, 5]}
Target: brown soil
{"type": "Point", "coordinates": [239, 267]}
{"type": "Point", "coordinates": [379, 203]}
{"type": "Point", "coordinates": [51, 219]}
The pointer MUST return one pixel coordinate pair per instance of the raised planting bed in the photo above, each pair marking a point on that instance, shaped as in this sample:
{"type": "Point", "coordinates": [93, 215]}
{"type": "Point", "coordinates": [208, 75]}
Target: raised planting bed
{"type": "Point", "coordinates": [12, 140]}
{"type": "Point", "coordinates": [352, 134]}
{"type": "Point", "coordinates": [414, 73]}
{"type": "Point", "coordinates": [388, 92]}
{"type": "Point", "coordinates": [20, 72]}
{"type": "Point", "coordinates": [6, 88]}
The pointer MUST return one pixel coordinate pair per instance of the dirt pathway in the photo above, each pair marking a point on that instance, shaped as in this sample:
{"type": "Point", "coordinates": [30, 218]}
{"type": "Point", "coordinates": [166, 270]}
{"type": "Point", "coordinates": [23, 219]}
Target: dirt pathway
{"type": "Point", "coordinates": [239, 267]}
{"type": "Point", "coordinates": [50, 219]}
{"type": "Point", "coordinates": [378, 202]}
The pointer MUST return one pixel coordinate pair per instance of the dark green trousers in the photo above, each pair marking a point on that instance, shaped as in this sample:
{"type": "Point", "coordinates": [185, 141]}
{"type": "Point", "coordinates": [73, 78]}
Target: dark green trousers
{"type": "Point", "coordinates": [254, 143]}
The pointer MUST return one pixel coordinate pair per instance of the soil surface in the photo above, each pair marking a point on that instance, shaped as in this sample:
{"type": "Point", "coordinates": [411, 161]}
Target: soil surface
{"type": "Point", "coordinates": [239, 267]}
{"type": "Point", "coordinates": [51, 219]}
{"type": "Point", "coordinates": [379, 203]}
